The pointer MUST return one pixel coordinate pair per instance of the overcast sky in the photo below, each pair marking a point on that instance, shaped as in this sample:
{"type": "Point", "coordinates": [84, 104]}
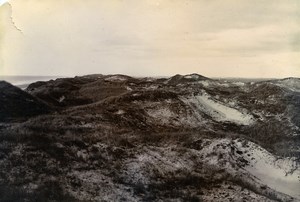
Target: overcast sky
{"type": "Point", "coordinates": [216, 38]}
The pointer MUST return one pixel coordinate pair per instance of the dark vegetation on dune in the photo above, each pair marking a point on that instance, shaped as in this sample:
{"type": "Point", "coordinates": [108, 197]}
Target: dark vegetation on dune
{"type": "Point", "coordinates": [77, 139]}
{"type": "Point", "coordinates": [15, 103]}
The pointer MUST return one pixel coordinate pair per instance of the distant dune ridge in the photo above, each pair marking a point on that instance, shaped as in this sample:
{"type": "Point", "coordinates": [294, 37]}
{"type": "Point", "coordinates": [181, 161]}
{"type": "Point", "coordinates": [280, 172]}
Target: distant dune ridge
{"type": "Point", "coordinates": [120, 138]}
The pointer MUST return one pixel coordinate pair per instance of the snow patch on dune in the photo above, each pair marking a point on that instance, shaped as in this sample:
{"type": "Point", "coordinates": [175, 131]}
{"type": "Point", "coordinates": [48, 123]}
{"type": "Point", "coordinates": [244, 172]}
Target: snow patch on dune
{"type": "Point", "coordinates": [292, 84]}
{"type": "Point", "coordinates": [280, 174]}
{"type": "Point", "coordinates": [163, 114]}
{"type": "Point", "coordinates": [97, 187]}
{"type": "Point", "coordinates": [192, 76]}
{"type": "Point", "coordinates": [218, 110]}
{"type": "Point", "coordinates": [116, 78]}
{"type": "Point", "coordinates": [205, 83]}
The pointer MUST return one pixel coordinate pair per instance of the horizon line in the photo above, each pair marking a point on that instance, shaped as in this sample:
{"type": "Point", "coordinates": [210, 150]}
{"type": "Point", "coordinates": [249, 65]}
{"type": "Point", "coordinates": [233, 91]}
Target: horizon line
{"type": "Point", "coordinates": [165, 76]}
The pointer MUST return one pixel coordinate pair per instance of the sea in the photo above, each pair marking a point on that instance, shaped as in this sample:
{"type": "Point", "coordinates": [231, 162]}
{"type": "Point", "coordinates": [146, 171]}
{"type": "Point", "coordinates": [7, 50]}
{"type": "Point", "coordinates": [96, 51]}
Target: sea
{"type": "Point", "coordinates": [23, 81]}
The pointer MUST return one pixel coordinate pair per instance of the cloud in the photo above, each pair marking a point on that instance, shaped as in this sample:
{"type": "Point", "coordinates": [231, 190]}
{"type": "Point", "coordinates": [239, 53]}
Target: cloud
{"type": "Point", "coordinates": [163, 37]}
{"type": "Point", "coordinates": [295, 42]}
